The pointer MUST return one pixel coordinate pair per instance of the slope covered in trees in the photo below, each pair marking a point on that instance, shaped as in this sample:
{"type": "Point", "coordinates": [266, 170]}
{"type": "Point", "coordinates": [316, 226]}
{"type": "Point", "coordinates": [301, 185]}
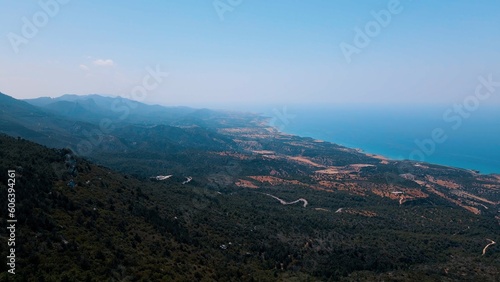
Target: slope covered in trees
{"type": "Point", "coordinates": [111, 226]}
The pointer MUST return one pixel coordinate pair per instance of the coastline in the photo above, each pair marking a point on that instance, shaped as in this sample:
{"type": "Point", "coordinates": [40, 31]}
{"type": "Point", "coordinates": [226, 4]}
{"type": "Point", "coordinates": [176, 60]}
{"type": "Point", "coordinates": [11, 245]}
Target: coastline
{"type": "Point", "coordinates": [397, 134]}
{"type": "Point", "coordinates": [384, 159]}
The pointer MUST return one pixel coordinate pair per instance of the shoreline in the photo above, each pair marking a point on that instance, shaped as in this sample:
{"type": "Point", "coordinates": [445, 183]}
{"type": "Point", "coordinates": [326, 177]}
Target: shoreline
{"type": "Point", "coordinates": [375, 156]}
{"type": "Point", "coordinates": [384, 159]}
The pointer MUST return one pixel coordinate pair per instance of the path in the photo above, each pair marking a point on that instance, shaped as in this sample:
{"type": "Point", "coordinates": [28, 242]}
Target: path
{"type": "Point", "coordinates": [491, 243]}
{"type": "Point", "coordinates": [283, 202]}
{"type": "Point", "coordinates": [188, 179]}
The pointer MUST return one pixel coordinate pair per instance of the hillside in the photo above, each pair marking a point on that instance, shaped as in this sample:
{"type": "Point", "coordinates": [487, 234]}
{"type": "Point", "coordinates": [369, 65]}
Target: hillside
{"type": "Point", "coordinates": [240, 201]}
{"type": "Point", "coordinates": [112, 226]}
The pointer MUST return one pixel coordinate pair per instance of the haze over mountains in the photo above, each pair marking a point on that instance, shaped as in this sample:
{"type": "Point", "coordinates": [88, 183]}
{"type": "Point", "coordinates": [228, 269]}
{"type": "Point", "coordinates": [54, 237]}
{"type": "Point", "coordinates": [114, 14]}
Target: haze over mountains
{"type": "Point", "coordinates": [96, 107]}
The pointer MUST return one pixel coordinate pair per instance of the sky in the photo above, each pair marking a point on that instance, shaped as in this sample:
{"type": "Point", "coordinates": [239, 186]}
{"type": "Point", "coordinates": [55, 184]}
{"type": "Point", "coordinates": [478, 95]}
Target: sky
{"type": "Point", "coordinates": [224, 53]}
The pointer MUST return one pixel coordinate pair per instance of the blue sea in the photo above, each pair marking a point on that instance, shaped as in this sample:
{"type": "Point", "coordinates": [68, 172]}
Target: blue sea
{"type": "Point", "coordinates": [437, 134]}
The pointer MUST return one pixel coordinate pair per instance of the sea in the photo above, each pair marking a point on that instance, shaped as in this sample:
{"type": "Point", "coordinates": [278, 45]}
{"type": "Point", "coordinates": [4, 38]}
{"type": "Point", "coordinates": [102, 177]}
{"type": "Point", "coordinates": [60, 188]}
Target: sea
{"type": "Point", "coordinates": [466, 138]}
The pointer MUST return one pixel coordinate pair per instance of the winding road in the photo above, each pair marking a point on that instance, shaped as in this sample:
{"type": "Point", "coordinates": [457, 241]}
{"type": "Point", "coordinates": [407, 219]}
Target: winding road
{"type": "Point", "coordinates": [188, 179]}
{"type": "Point", "coordinates": [491, 243]}
{"type": "Point", "coordinates": [283, 202]}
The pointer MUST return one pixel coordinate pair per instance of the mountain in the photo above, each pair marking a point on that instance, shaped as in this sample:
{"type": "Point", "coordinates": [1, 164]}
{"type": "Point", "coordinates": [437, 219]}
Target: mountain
{"type": "Point", "coordinates": [239, 201]}
{"type": "Point", "coordinates": [13, 112]}
{"type": "Point", "coordinates": [19, 118]}
{"type": "Point", "coordinates": [88, 126]}
{"type": "Point", "coordinates": [205, 143]}
{"type": "Point", "coordinates": [95, 108]}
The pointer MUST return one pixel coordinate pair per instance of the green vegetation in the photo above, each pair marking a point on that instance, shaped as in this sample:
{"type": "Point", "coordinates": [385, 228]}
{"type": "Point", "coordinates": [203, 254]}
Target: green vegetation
{"type": "Point", "coordinates": [115, 227]}
{"type": "Point", "coordinates": [100, 216]}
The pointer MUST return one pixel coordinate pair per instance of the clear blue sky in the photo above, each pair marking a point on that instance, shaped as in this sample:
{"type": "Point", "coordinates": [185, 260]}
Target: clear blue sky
{"type": "Point", "coordinates": [262, 52]}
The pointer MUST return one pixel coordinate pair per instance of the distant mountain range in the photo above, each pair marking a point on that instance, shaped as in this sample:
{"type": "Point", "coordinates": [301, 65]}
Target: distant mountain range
{"type": "Point", "coordinates": [96, 126]}
{"type": "Point", "coordinates": [94, 108]}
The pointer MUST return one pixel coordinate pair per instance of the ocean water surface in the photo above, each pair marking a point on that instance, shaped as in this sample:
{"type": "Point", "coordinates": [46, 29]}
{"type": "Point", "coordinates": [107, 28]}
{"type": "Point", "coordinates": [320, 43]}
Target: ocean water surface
{"type": "Point", "coordinates": [437, 134]}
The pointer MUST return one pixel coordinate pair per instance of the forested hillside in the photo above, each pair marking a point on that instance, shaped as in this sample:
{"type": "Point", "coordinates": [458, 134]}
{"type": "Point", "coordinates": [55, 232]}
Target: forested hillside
{"type": "Point", "coordinates": [78, 221]}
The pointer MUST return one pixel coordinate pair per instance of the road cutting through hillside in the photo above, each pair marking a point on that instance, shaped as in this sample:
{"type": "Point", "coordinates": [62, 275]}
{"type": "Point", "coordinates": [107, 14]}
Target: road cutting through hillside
{"type": "Point", "coordinates": [283, 202]}
{"type": "Point", "coordinates": [188, 179]}
{"type": "Point", "coordinates": [486, 247]}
